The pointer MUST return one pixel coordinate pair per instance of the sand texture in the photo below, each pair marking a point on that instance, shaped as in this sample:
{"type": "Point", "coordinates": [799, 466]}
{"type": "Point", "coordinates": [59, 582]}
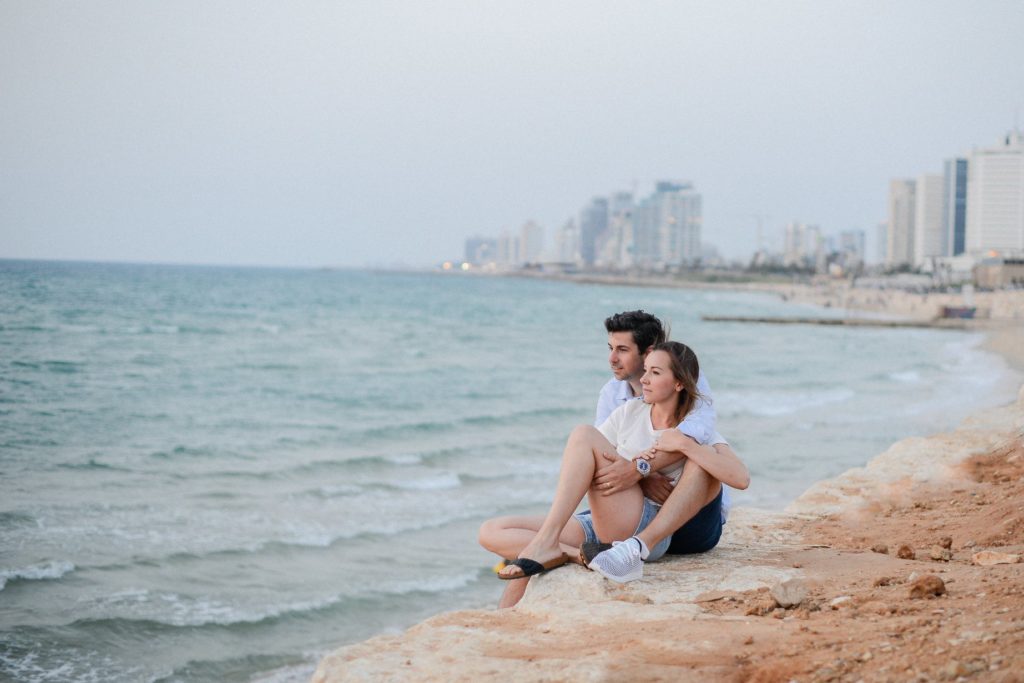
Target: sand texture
{"type": "Point", "coordinates": [905, 569]}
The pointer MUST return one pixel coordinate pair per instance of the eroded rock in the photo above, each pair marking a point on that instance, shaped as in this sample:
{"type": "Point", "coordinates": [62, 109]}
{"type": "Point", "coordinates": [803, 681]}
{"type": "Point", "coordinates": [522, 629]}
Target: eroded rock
{"type": "Point", "coordinates": [789, 593]}
{"type": "Point", "coordinates": [927, 586]}
{"type": "Point", "coordinates": [987, 558]}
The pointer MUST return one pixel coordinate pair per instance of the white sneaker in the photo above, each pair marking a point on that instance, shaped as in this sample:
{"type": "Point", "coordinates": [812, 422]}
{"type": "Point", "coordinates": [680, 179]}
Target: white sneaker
{"type": "Point", "coordinates": [621, 563]}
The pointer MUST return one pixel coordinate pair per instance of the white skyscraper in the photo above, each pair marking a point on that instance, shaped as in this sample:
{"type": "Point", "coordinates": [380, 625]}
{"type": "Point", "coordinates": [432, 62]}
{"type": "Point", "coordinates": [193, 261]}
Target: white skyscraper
{"type": "Point", "coordinates": [667, 226]}
{"type": "Point", "coordinates": [928, 223]}
{"type": "Point", "coordinates": [531, 242]}
{"type": "Point", "coordinates": [902, 203]}
{"type": "Point", "coordinates": [995, 197]}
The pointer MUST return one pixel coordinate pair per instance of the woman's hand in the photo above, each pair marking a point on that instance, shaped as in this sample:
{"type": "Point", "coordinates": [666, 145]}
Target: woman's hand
{"type": "Point", "coordinates": [672, 440]}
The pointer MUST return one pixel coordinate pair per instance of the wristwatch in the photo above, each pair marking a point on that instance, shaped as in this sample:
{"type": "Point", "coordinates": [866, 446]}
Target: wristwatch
{"type": "Point", "coordinates": [643, 467]}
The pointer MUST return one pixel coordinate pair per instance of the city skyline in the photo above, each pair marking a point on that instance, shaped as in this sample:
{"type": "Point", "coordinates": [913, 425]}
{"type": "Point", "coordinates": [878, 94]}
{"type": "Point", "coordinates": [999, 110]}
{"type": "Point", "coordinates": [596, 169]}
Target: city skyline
{"type": "Point", "coordinates": [385, 134]}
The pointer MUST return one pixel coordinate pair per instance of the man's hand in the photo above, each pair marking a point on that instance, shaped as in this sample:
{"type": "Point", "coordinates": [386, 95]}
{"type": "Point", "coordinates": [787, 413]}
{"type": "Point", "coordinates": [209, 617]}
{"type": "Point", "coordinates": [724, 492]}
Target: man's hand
{"type": "Point", "coordinates": [657, 487]}
{"type": "Point", "coordinates": [617, 475]}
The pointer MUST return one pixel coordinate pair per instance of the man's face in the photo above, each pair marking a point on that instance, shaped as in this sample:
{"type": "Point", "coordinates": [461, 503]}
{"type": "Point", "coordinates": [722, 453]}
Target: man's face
{"type": "Point", "coordinates": [624, 356]}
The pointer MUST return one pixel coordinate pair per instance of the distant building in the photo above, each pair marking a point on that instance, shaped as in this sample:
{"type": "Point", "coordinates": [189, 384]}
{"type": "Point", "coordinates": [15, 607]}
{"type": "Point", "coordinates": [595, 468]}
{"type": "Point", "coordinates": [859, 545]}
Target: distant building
{"type": "Point", "coordinates": [995, 197]}
{"type": "Point", "coordinates": [928, 227]}
{"type": "Point", "coordinates": [531, 242]}
{"type": "Point", "coordinates": [508, 249]}
{"type": "Point", "coordinates": [593, 224]}
{"type": "Point", "coordinates": [667, 226]}
{"type": "Point", "coordinates": [803, 247]}
{"type": "Point", "coordinates": [852, 248]}
{"type": "Point", "coordinates": [567, 243]}
{"type": "Point", "coordinates": [480, 250]}
{"type": "Point", "coordinates": [882, 242]}
{"type": "Point", "coordinates": [902, 204]}
{"type": "Point", "coordinates": [954, 206]}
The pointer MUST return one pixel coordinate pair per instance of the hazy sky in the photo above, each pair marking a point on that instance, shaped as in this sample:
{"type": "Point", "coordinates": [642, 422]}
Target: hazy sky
{"type": "Point", "coordinates": [377, 133]}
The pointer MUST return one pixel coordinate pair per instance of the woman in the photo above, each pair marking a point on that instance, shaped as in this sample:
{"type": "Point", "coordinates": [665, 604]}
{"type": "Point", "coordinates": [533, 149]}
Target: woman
{"type": "Point", "coordinates": [542, 543]}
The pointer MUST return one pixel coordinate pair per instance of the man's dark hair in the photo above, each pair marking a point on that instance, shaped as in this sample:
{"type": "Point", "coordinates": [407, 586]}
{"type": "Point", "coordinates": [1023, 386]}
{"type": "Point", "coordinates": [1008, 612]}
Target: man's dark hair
{"type": "Point", "coordinates": [646, 329]}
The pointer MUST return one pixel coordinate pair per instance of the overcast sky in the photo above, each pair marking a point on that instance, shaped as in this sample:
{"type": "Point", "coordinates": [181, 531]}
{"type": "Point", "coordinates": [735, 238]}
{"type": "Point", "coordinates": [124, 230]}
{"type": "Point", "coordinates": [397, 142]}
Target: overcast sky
{"type": "Point", "coordinates": [381, 133]}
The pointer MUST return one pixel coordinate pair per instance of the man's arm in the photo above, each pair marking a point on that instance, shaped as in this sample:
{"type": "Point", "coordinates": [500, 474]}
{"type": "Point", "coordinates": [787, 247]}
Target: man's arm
{"type": "Point", "coordinates": [720, 460]}
{"type": "Point", "coordinates": [699, 423]}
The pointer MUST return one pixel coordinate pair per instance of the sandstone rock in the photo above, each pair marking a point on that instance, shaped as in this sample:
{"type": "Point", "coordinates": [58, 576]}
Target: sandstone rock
{"type": "Point", "coordinates": [789, 593]}
{"type": "Point", "coordinates": [761, 606]}
{"type": "Point", "coordinates": [987, 558]}
{"type": "Point", "coordinates": [940, 554]}
{"type": "Point", "coordinates": [946, 542]}
{"type": "Point", "coordinates": [927, 586]}
{"type": "Point", "coordinates": [884, 581]}
{"type": "Point", "coordinates": [880, 548]}
{"type": "Point", "coordinates": [905, 552]}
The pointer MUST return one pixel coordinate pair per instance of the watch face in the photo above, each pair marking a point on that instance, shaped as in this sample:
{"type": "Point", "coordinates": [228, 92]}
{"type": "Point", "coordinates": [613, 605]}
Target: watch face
{"type": "Point", "coordinates": [643, 467]}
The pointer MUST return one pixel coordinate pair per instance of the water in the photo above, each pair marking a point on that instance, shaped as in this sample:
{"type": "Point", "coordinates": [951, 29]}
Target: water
{"type": "Point", "coordinates": [220, 474]}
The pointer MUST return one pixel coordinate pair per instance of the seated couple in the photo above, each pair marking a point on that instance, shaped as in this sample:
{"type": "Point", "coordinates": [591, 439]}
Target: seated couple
{"type": "Point", "coordinates": [652, 470]}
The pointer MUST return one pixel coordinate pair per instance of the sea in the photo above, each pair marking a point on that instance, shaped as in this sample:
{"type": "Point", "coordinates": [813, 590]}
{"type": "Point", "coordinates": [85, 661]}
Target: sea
{"type": "Point", "coordinates": [222, 473]}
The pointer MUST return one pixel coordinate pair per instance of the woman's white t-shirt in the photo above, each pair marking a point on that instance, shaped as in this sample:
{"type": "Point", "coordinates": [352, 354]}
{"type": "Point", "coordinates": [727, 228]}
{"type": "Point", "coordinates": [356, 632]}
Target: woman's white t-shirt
{"type": "Point", "coordinates": [629, 428]}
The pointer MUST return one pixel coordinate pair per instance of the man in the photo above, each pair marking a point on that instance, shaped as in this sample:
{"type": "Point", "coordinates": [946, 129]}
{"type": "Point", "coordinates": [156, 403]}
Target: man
{"type": "Point", "coordinates": [694, 510]}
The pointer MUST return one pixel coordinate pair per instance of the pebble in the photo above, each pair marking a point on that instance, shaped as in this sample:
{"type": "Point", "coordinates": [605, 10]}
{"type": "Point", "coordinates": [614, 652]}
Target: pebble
{"type": "Point", "coordinates": [946, 542]}
{"type": "Point", "coordinates": [789, 593]}
{"type": "Point", "coordinates": [880, 548]}
{"type": "Point", "coordinates": [927, 586]}
{"type": "Point", "coordinates": [840, 602]}
{"type": "Point", "coordinates": [905, 552]}
{"type": "Point", "coordinates": [987, 558]}
{"type": "Point", "coordinates": [940, 553]}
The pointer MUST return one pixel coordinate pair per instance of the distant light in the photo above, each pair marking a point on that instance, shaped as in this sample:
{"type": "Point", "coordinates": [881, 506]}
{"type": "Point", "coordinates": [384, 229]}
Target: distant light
{"type": "Point", "coordinates": [447, 265]}
{"type": "Point", "coordinates": [465, 266]}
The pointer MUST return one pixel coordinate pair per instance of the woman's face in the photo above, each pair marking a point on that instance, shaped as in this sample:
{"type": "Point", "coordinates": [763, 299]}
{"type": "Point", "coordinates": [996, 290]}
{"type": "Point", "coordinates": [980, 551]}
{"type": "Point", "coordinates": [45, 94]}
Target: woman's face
{"type": "Point", "coordinates": [658, 382]}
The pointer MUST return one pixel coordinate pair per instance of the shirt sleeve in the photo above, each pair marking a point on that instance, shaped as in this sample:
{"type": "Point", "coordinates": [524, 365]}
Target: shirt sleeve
{"type": "Point", "coordinates": [605, 404]}
{"type": "Point", "coordinates": [611, 426]}
{"type": "Point", "coordinates": [700, 422]}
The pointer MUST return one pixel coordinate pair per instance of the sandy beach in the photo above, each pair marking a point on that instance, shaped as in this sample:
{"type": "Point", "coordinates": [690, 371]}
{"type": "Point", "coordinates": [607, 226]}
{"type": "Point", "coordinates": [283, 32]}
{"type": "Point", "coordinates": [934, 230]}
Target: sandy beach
{"type": "Point", "coordinates": [906, 569]}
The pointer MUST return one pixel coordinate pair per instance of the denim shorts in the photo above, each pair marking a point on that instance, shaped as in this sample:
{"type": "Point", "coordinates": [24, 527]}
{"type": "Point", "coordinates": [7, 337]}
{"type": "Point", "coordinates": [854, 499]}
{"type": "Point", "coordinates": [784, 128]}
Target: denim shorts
{"type": "Point", "coordinates": [651, 508]}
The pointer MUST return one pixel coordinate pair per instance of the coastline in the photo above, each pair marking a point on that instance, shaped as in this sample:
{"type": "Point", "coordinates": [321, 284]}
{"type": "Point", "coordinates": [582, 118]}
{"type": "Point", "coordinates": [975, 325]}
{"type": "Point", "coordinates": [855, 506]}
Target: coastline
{"type": "Point", "coordinates": [837, 544]}
{"type": "Point", "coordinates": [966, 485]}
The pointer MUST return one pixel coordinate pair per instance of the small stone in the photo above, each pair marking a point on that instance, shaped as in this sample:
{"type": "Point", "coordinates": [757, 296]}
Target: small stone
{"type": "Point", "coordinates": [762, 606]}
{"type": "Point", "coordinates": [927, 586]}
{"type": "Point", "coordinates": [905, 552]}
{"type": "Point", "coordinates": [880, 548]}
{"type": "Point", "coordinates": [940, 554]}
{"type": "Point", "coordinates": [987, 558]}
{"type": "Point", "coordinates": [913, 577]}
{"type": "Point", "coordinates": [749, 640]}
{"type": "Point", "coordinates": [841, 602]}
{"type": "Point", "coordinates": [970, 544]}
{"type": "Point", "coordinates": [876, 607]}
{"type": "Point", "coordinates": [954, 670]}
{"type": "Point", "coordinates": [946, 542]}
{"type": "Point", "coordinates": [789, 593]}
{"type": "Point", "coordinates": [884, 581]}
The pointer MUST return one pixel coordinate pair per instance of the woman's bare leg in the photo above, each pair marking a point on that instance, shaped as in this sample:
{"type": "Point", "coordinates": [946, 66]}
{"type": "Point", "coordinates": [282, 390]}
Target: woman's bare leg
{"type": "Point", "coordinates": [580, 460]}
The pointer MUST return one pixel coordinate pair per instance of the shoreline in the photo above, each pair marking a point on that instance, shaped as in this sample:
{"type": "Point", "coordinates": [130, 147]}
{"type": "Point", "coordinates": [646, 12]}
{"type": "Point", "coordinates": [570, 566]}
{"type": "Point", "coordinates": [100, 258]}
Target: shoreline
{"type": "Point", "coordinates": [838, 548]}
{"type": "Point", "coordinates": [820, 540]}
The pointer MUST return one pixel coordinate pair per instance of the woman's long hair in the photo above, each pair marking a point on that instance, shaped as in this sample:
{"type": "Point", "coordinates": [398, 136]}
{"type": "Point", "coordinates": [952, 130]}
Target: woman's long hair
{"type": "Point", "coordinates": [685, 368]}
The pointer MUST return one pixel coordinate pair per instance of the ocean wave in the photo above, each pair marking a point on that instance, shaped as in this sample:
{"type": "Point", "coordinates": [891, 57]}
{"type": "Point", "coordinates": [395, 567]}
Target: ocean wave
{"type": "Point", "coordinates": [444, 480]}
{"type": "Point", "coordinates": [905, 376]}
{"type": "Point", "coordinates": [776, 403]}
{"type": "Point", "coordinates": [91, 464]}
{"type": "Point", "coordinates": [54, 569]}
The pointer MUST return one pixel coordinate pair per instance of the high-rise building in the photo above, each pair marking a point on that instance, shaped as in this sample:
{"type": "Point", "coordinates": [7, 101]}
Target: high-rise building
{"type": "Point", "coordinates": [508, 249]}
{"type": "Point", "coordinates": [481, 250]}
{"type": "Point", "coordinates": [852, 247]}
{"type": "Point", "coordinates": [667, 226]}
{"type": "Point", "coordinates": [954, 206]}
{"type": "Point", "coordinates": [567, 243]}
{"type": "Point", "coordinates": [900, 249]}
{"type": "Point", "coordinates": [803, 246]}
{"type": "Point", "coordinates": [531, 242]}
{"type": "Point", "coordinates": [882, 242]}
{"type": "Point", "coordinates": [995, 197]}
{"type": "Point", "coordinates": [593, 223]}
{"type": "Point", "coordinates": [928, 228]}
